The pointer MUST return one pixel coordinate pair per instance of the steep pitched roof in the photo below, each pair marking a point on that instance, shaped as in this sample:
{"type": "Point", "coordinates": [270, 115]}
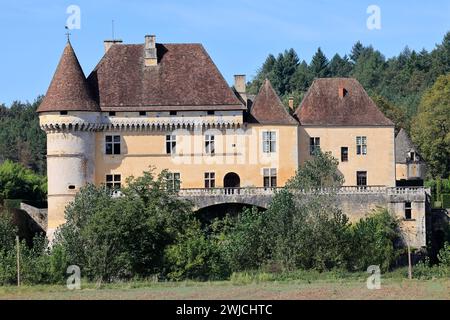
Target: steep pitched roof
{"type": "Point", "coordinates": [69, 90]}
{"type": "Point", "coordinates": [267, 107]}
{"type": "Point", "coordinates": [323, 105]}
{"type": "Point", "coordinates": [403, 145]}
{"type": "Point", "coordinates": [185, 78]}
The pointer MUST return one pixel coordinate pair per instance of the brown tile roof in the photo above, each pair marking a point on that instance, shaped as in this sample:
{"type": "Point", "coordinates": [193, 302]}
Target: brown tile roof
{"type": "Point", "coordinates": [267, 107]}
{"type": "Point", "coordinates": [323, 105]}
{"type": "Point", "coordinates": [185, 79]}
{"type": "Point", "coordinates": [69, 90]}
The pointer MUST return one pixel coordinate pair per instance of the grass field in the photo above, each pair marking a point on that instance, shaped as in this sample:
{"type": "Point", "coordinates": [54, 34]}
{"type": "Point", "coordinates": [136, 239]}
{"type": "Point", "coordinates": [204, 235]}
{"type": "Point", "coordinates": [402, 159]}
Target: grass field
{"type": "Point", "coordinates": [272, 290]}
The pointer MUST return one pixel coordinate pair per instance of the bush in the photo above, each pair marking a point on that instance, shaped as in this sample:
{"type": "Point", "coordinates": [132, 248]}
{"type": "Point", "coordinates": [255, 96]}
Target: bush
{"type": "Point", "coordinates": [444, 255]}
{"type": "Point", "coordinates": [196, 256]}
{"type": "Point", "coordinates": [120, 238]}
{"type": "Point", "coordinates": [243, 244]}
{"type": "Point", "coordinates": [373, 241]}
{"type": "Point", "coordinates": [18, 182]}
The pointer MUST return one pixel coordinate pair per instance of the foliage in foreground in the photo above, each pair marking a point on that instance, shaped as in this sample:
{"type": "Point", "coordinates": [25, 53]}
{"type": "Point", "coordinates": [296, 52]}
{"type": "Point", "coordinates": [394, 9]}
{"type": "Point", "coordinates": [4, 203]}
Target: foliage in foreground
{"type": "Point", "coordinates": [18, 182]}
{"type": "Point", "coordinates": [124, 237]}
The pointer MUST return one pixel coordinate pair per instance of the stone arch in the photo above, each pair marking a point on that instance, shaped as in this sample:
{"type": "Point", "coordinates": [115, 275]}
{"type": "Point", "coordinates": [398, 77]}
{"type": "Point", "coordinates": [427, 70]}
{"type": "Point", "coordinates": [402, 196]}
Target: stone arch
{"type": "Point", "coordinates": [231, 180]}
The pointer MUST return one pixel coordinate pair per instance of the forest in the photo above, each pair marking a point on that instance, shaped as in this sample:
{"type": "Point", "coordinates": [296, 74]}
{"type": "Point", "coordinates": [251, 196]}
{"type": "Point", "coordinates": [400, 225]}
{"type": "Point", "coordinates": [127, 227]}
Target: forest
{"type": "Point", "coordinates": [412, 89]}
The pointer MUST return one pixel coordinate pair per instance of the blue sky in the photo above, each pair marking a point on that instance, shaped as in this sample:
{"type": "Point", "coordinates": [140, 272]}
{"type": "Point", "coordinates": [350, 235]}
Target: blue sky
{"type": "Point", "coordinates": [238, 34]}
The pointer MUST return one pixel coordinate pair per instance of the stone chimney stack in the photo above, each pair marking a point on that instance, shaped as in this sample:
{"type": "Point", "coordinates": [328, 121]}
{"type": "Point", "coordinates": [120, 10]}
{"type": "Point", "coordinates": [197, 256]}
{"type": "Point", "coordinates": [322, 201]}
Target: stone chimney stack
{"type": "Point", "coordinates": [291, 103]}
{"type": "Point", "coordinates": [109, 43]}
{"type": "Point", "coordinates": [240, 86]}
{"type": "Point", "coordinates": [150, 55]}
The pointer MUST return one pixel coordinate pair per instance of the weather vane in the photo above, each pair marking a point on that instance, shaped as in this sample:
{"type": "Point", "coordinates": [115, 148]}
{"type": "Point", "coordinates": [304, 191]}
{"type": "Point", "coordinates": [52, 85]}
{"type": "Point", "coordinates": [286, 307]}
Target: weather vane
{"type": "Point", "coordinates": [67, 33]}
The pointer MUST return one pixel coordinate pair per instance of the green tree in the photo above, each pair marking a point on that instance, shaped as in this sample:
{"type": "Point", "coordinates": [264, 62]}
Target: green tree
{"type": "Point", "coordinates": [340, 66]}
{"type": "Point", "coordinates": [430, 129]}
{"type": "Point", "coordinates": [394, 113]}
{"type": "Point", "coordinates": [373, 241]}
{"type": "Point", "coordinates": [18, 182]}
{"type": "Point", "coordinates": [122, 237]}
{"type": "Point", "coordinates": [369, 69]}
{"type": "Point", "coordinates": [319, 172]}
{"type": "Point", "coordinates": [21, 139]}
{"type": "Point", "coordinates": [319, 65]}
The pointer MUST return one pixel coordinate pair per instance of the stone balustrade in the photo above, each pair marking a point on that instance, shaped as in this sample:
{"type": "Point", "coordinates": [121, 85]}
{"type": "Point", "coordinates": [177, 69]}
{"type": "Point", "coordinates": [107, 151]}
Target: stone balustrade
{"type": "Point", "coordinates": [195, 192]}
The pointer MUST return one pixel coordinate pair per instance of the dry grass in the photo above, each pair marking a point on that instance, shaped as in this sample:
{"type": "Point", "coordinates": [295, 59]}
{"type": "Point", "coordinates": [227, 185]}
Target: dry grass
{"type": "Point", "coordinates": [271, 290]}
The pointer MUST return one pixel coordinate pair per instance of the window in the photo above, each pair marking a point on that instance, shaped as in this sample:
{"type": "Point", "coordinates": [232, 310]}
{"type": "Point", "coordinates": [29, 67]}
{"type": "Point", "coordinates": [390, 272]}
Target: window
{"type": "Point", "coordinates": [112, 144]}
{"type": "Point", "coordinates": [173, 113]}
{"type": "Point", "coordinates": [210, 112]}
{"type": "Point", "coordinates": [113, 181]}
{"type": "Point", "coordinates": [173, 181]}
{"type": "Point", "coordinates": [142, 113]}
{"type": "Point", "coordinates": [210, 180]}
{"type": "Point", "coordinates": [314, 145]}
{"type": "Point", "coordinates": [63, 113]}
{"type": "Point", "coordinates": [361, 145]}
{"type": "Point", "coordinates": [112, 113]}
{"type": "Point", "coordinates": [209, 144]}
{"type": "Point", "coordinates": [408, 210]}
{"type": "Point", "coordinates": [270, 177]}
{"type": "Point", "coordinates": [361, 178]}
{"type": "Point", "coordinates": [344, 154]}
{"type": "Point", "coordinates": [269, 141]}
{"type": "Point", "coordinates": [171, 144]}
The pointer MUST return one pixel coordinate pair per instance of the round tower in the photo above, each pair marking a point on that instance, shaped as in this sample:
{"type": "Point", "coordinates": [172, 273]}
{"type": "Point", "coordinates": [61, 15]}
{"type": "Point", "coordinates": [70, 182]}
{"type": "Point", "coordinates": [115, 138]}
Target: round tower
{"type": "Point", "coordinates": [70, 117]}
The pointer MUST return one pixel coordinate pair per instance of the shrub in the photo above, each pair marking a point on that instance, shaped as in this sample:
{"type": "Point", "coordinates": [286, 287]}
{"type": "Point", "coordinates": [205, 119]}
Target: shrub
{"type": "Point", "coordinates": [196, 256]}
{"type": "Point", "coordinates": [243, 244]}
{"type": "Point", "coordinates": [373, 241]}
{"type": "Point", "coordinates": [120, 238]}
{"type": "Point", "coordinates": [444, 255]}
{"type": "Point", "coordinates": [18, 182]}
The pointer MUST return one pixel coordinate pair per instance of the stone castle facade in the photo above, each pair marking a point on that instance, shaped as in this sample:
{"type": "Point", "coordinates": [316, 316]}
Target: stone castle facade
{"type": "Point", "coordinates": [168, 106]}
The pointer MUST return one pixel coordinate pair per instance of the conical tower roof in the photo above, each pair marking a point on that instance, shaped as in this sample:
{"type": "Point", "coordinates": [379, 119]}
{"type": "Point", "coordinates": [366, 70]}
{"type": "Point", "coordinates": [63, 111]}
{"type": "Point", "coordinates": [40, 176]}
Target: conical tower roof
{"type": "Point", "coordinates": [69, 90]}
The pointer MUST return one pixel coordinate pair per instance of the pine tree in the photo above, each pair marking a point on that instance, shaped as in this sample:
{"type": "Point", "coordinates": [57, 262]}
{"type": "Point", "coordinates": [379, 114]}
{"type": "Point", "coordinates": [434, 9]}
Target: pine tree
{"type": "Point", "coordinates": [319, 65]}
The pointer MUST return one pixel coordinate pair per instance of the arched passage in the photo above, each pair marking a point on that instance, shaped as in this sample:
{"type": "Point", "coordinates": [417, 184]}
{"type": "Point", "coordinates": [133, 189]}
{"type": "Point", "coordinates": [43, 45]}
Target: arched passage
{"type": "Point", "coordinates": [231, 180]}
{"type": "Point", "coordinates": [207, 214]}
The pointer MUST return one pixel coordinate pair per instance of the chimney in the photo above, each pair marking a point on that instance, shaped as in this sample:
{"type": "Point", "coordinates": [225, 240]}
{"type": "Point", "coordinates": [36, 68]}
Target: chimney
{"type": "Point", "coordinates": [109, 43]}
{"type": "Point", "coordinates": [291, 103]}
{"type": "Point", "coordinates": [239, 86]}
{"type": "Point", "coordinates": [342, 92]}
{"type": "Point", "coordinates": [150, 56]}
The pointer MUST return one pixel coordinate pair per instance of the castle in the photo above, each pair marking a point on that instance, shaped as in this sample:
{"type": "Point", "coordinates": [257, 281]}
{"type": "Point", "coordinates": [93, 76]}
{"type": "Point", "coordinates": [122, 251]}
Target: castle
{"type": "Point", "coordinates": [168, 106]}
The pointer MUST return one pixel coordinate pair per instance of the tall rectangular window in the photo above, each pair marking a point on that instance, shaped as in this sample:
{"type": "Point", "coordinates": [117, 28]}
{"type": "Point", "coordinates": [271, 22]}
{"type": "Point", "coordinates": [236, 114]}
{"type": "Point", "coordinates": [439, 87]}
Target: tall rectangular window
{"type": "Point", "coordinates": [270, 177]}
{"type": "Point", "coordinates": [210, 180]}
{"type": "Point", "coordinates": [112, 144]}
{"type": "Point", "coordinates": [209, 144]}
{"type": "Point", "coordinates": [408, 210]}
{"type": "Point", "coordinates": [269, 141]}
{"type": "Point", "coordinates": [173, 181]}
{"type": "Point", "coordinates": [344, 154]}
{"type": "Point", "coordinates": [361, 145]}
{"type": "Point", "coordinates": [361, 178]}
{"type": "Point", "coordinates": [314, 145]}
{"type": "Point", "coordinates": [113, 181]}
{"type": "Point", "coordinates": [171, 143]}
